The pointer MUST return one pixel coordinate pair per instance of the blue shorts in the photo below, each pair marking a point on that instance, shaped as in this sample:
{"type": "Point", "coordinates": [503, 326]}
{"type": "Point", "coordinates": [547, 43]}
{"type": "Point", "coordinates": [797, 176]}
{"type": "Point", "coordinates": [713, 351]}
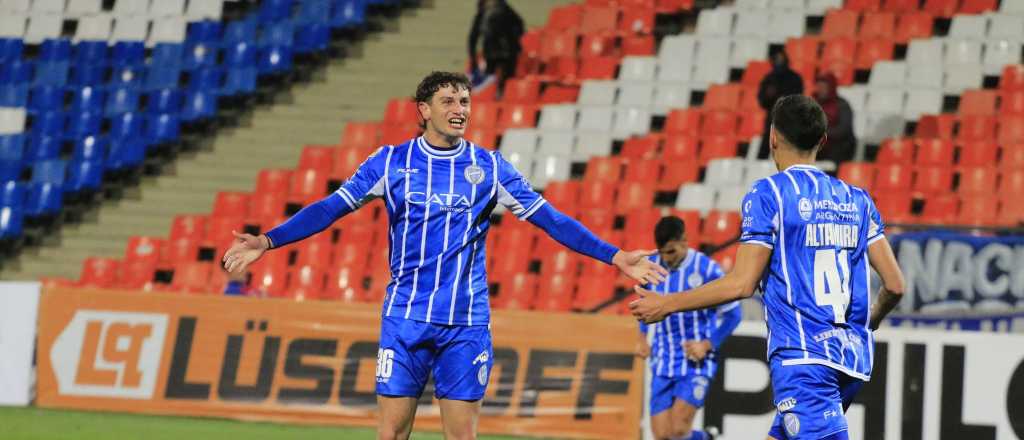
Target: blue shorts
{"type": "Point", "coordinates": [459, 357]}
{"type": "Point", "coordinates": [691, 388]}
{"type": "Point", "coordinates": [811, 401]}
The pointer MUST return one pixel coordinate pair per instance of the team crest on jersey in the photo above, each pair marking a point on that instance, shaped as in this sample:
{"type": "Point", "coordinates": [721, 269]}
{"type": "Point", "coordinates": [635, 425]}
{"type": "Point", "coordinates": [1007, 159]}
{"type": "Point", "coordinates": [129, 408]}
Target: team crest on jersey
{"type": "Point", "coordinates": [792, 423]}
{"type": "Point", "coordinates": [806, 208]}
{"type": "Point", "coordinates": [481, 376]}
{"type": "Point", "coordinates": [746, 206]}
{"type": "Point", "coordinates": [695, 280]}
{"type": "Point", "coordinates": [474, 174]}
{"type": "Point", "coordinates": [700, 387]}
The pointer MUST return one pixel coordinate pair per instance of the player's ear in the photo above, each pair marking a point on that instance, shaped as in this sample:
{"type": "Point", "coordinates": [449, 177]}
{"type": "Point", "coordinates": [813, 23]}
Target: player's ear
{"type": "Point", "coordinates": [424, 109]}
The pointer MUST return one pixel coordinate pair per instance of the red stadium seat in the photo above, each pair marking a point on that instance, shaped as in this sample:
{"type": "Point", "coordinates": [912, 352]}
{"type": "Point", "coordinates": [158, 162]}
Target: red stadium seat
{"type": "Point", "coordinates": [1013, 157]}
{"type": "Point", "coordinates": [803, 49]}
{"type": "Point", "coordinates": [361, 134]}
{"type": "Point", "coordinates": [560, 260]}
{"type": "Point", "coordinates": [401, 111]}
{"type": "Point", "coordinates": [896, 150]}
{"type": "Point", "coordinates": [976, 181]}
{"type": "Point", "coordinates": [976, 128]}
{"type": "Point", "coordinates": [1011, 102]}
{"type": "Point", "coordinates": [840, 23]}
{"type": "Point", "coordinates": [136, 275]}
{"type": "Point", "coordinates": [719, 121]}
{"type": "Point", "coordinates": [521, 90]}
{"type": "Point", "coordinates": [193, 277]}
{"type": "Point", "coordinates": [878, 25]}
{"type": "Point", "coordinates": [941, 8]}
{"type": "Point", "coordinates": [638, 45]}
{"type": "Point", "coordinates": [596, 45]}
{"type": "Point", "coordinates": [604, 168]}
{"type": "Point", "coordinates": [894, 205]}
{"type": "Point", "coordinates": [347, 160]}
{"type": "Point", "coordinates": [317, 157]}
{"type": "Point", "coordinates": [270, 274]}
{"type": "Point", "coordinates": [599, 68]}
{"type": "Point", "coordinates": [979, 210]}
{"type": "Point", "coordinates": [1011, 129]}
{"type": "Point", "coordinates": [99, 272]}
{"type": "Point", "coordinates": [344, 284]}
{"type": "Point", "coordinates": [218, 232]}
{"type": "Point", "coordinates": [934, 152]}
{"type": "Point", "coordinates": [593, 291]}
{"type": "Point", "coordinates": [188, 226]}
{"type": "Point", "coordinates": [717, 147]}
{"type": "Point", "coordinates": [940, 209]}
{"type": "Point", "coordinates": [808, 71]}
{"type": "Point", "coordinates": [1011, 213]}
{"type": "Point", "coordinates": [308, 186]}
{"type": "Point", "coordinates": [933, 180]}
{"type": "Point", "coordinates": [692, 224]}
{"type": "Point", "coordinates": [842, 69]}
{"type": "Point", "coordinates": [351, 253]}
{"type": "Point", "coordinates": [751, 123]}
{"type": "Point", "coordinates": [863, 5]}
{"type": "Point", "coordinates": [231, 204]}
{"type": "Point", "coordinates": [483, 137]}
{"type": "Point", "coordinates": [559, 93]}
{"type": "Point", "coordinates": [267, 205]}
{"type": "Point", "coordinates": [646, 171]}
{"type": "Point", "coordinates": [518, 116]}
{"type": "Point", "coordinates": [683, 121]}
{"type": "Point", "coordinates": [563, 194]}
{"type": "Point", "coordinates": [680, 146]}
{"type": "Point", "coordinates": [644, 147]}
{"type": "Point", "coordinates": [936, 126]}
{"type": "Point", "coordinates": [633, 196]}
{"type": "Point", "coordinates": [901, 6]}
{"type": "Point", "coordinates": [978, 154]}
{"type": "Point", "coordinates": [727, 256]}
{"type": "Point", "coordinates": [517, 292]}
{"type": "Point", "coordinates": [860, 174]}
{"type": "Point", "coordinates": [977, 6]}
{"type": "Point", "coordinates": [749, 101]}
{"type": "Point", "coordinates": [641, 222]}
{"type": "Point", "coordinates": [637, 20]}
{"type": "Point", "coordinates": [599, 19]}
{"type": "Point", "coordinates": [397, 134]}
{"type": "Point", "coordinates": [530, 42]}
{"type": "Point", "coordinates": [558, 43]}
{"type": "Point", "coordinates": [913, 24]}
{"type": "Point", "coordinates": [484, 114]}
{"type": "Point", "coordinates": [274, 180]}
{"type": "Point", "coordinates": [978, 102]}
{"type": "Point", "coordinates": [555, 293]}
{"type": "Point", "coordinates": [892, 177]}
{"type": "Point", "coordinates": [872, 50]}
{"type": "Point", "coordinates": [838, 50]}
{"type": "Point", "coordinates": [1012, 78]}
{"type": "Point", "coordinates": [1011, 183]}
{"type": "Point", "coordinates": [147, 249]}
{"type": "Point", "coordinates": [678, 172]}
{"type": "Point", "coordinates": [565, 17]}
{"type": "Point", "coordinates": [307, 282]}
{"type": "Point", "coordinates": [723, 97]}
{"type": "Point", "coordinates": [181, 250]}
{"type": "Point", "coordinates": [563, 68]}
{"type": "Point", "coordinates": [756, 71]}
{"type": "Point", "coordinates": [720, 227]}
{"type": "Point", "coordinates": [597, 194]}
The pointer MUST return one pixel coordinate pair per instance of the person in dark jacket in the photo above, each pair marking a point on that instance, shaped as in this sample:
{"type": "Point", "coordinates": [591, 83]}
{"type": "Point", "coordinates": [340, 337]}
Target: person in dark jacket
{"type": "Point", "coordinates": [781, 81]}
{"type": "Point", "coordinates": [841, 143]}
{"type": "Point", "coordinates": [501, 28]}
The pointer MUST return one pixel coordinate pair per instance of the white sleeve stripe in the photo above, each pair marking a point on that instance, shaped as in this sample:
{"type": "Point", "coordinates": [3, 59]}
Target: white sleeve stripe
{"type": "Point", "coordinates": [729, 306]}
{"type": "Point", "coordinates": [536, 207]}
{"type": "Point", "coordinates": [346, 197]}
{"type": "Point", "coordinates": [767, 245]}
{"type": "Point", "coordinates": [533, 206]}
{"type": "Point", "coordinates": [872, 240]}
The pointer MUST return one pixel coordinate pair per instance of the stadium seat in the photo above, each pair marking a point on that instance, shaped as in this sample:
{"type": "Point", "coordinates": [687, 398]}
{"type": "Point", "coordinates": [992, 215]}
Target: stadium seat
{"type": "Point", "coordinates": [12, 194]}
{"type": "Point", "coordinates": [84, 176]}
{"type": "Point", "coordinates": [267, 206]}
{"type": "Point", "coordinates": [892, 177]}
{"type": "Point", "coordinates": [936, 126]}
{"type": "Point", "coordinates": [188, 226]}
{"type": "Point", "coordinates": [896, 150]}
{"type": "Point", "coordinates": [978, 210]}
{"type": "Point", "coordinates": [136, 275]}
{"type": "Point", "coordinates": [976, 181]}
{"type": "Point", "coordinates": [715, 147]}
{"type": "Point", "coordinates": [685, 122]}
{"type": "Point", "coordinates": [695, 197]}
{"type": "Point", "coordinates": [1011, 129]}
{"type": "Point", "coordinates": [981, 153]}
{"type": "Point", "coordinates": [231, 204]}
{"type": "Point", "coordinates": [870, 51]}
{"type": "Point", "coordinates": [604, 168]}
{"type": "Point", "coordinates": [977, 6]}
{"type": "Point", "coordinates": [894, 205]}
{"type": "Point", "coordinates": [878, 25]}
{"type": "Point", "coordinates": [720, 227]}
{"type": "Point", "coordinates": [974, 128]}
{"type": "Point", "coordinates": [679, 173]}
{"type": "Point", "coordinates": [933, 180]}
{"type": "Point", "coordinates": [517, 116]}
{"type": "Point", "coordinates": [99, 272]}
{"type": "Point", "coordinates": [934, 152]}
{"type": "Point", "coordinates": [1011, 184]}
{"type": "Point", "coordinates": [144, 249]}
{"type": "Point", "coordinates": [643, 170]}
{"type": "Point", "coordinates": [597, 194]}
{"type": "Point", "coordinates": [1012, 78]}
{"type": "Point", "coordinates": [633, 196]}
{"type": "Point", "coordinates": [725, 172]}
{"type": "Point", "coordinates": [940, 209]}
{"type": "Point", "coordinates": [840, 23]}
{"type": "Point", "coordinates": [193, 277]}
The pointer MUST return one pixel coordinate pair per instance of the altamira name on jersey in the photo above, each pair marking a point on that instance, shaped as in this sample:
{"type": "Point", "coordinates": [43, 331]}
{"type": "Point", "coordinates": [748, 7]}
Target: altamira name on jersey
{"type": "Point", "coordinates": [832, 235]}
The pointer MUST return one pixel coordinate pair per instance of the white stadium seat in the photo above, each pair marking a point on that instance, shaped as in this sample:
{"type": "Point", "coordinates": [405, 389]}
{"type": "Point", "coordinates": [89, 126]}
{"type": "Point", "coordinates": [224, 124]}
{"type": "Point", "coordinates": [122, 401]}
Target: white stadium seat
{"type": "Point", "coordinates": [745, 50]}
{"type": "Point", "coordinates": [557, 117]}
{"type": "Point", "coordinates": [745, 5]}
{"type": "Point", "coordinates": [675, 69]}
{"type": "Point", "coordinates": [23, 6]}
{"type": "Point", "coordinates": [636, 94]}
{"type": "Point", "coordinates": [13, 25]}
{"type": "Point", "coordinates": [752, 23]}
{"type": "Point", "coordinates": [668, 96]}
{"type": "Point", "coordinates": [785, 24]}
{"type": "Point", "coordinates": [697, 197]}
{"type": "Point", "coordinates": [42, 27]}
{"type": "Point", "coordinates": [856, 96]}
{"type": "Point", "coordinates": [677, 46]}
{"type": "Point", "coordinates": [556, 142]}
{"type": "Point", "coordinates": [757, 170]}
{"type": "Point", "coordinates": [519, 141]}
{"type": "Point", "coordinates": [967, 76]}
{"type": "Point", "coordinates": [715, 22]}
{"type": "Point", "coordinates": [818, 7]}
{"type": "Point", "coordinates": [730, 198]}
{"type": "Point", "coordinates": [925, 77]}
{"type": "Point", "coordinates": [591, 144]}
{"type": "Point", "coordinates": [596, 118]}
{"type": "Point", "coordinates": [999, 54]}
{"type": "Point", "coordinates": [204, 10]}
{"type": "Point", "coordinates": [924, 51]}
{"type": "Point", "coordinates": [711, 66]}
{"type": "Point", "coordinates": [636, 68]}
{"type": "Point", "coordinates": [960, 52]}
{"type": "Point", "coordinates": [1012, 7]}
{"type": "Point", "coordinates": [131, 8]}
{"type": "Point", "coordinates": [1004, 26]}
{"type": "Point", "coordinates": [93, 28]}
{"type": "Point", "coordinates": [597, 92]}
{"type": "Point", "coordinates": [550, 167]}
{"type": "Point", "coordinates": [631, 121]}
{"type": "Point", "coordinates": [12, 120]}
{"type": "Point", "coordinates": [167, 8]}
{"type": "Point", "coordinates": [82, 8]}
{"type": "Point", "coordinates": [922, 101]}
{"type": "Point", "coordinates": [167, 30]}
{"type": "Point", "coordinates": [790, 5]}
{"type": "Point", "coordinates": [882, 126]}
{"type": "Point", "coordinates": [968, 27]}
{"type": "Point", "coordinates": [725, 172]}
{"type": "Point", "coordinates": [48, 7]}
{"type": "Point", "coordinates": [888, 74]}
{"type": "Point", "coordinates": [885, 101]}
{"type": "Point", "coordinates": [130, 29]}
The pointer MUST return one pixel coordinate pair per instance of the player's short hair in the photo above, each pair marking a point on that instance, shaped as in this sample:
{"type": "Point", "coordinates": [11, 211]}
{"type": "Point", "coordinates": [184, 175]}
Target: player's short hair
{"type": "Point", "coordinates": [438, 80]}
{"type": "Point", "coordinates": [800, 120]}
{"type": "Point", "coordinates": [668, 229]}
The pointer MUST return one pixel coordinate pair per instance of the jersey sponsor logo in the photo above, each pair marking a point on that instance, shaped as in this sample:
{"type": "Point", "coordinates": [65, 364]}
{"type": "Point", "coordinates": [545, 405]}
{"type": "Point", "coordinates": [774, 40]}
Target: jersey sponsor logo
{"type": "Point", "coordinates": [109, 354]}
{"type": "Point", "coordinates": [695, 280]}
{"type": "Point", "coordinates": [792, 423]}
{"type": "Point", "coordinates": [829, 205]}
{"type": "Point", "coordinates": [448, 202]}
{"type": "Point", "coordinates": [806, 208]}
{"type": "Point", "coordinates": [700, 387]}
{"type": "Point", "coordinates": [408, 170]}
{"type": "Point", "coordinates": [786, 404]}
{"type": "Point", "coordinates": [483, 357]}
{"type": "Point", "coordinates": [474, 174]}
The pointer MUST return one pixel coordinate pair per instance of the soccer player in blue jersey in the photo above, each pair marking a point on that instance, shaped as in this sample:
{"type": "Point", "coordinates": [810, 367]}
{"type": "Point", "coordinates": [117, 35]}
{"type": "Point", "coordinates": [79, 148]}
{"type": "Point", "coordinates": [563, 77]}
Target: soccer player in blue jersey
{"type": "Point", "coordinates": [439, 190]}
{"type": "Point", "coordinates": [682, 348]}
{"type": "Point", "coordinates": [807, 241]}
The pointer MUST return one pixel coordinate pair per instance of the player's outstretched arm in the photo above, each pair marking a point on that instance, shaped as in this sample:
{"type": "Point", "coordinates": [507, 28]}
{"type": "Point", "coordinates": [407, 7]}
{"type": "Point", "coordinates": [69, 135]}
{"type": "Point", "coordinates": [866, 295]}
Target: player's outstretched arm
{"type": "Point", "coordinates": [739, 283]}
{"type": "Point", "coordinates": [884, 262]}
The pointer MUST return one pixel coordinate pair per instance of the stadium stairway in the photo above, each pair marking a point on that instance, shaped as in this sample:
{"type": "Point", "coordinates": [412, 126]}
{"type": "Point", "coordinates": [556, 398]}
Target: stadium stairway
{"type": "Point", "coordinates": [354, 88]}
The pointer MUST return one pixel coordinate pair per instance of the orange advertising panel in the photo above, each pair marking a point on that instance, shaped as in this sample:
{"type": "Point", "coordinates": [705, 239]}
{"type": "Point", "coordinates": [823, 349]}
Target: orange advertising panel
{"type": "Point", "coordinates": [558, 375]}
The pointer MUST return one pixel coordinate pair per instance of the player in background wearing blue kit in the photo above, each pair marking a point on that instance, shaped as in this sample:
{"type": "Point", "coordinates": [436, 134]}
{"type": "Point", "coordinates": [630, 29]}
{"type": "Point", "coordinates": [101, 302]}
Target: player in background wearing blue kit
{"type": "Point", "coordinates": [807, 239]}
{"type": "Point", "coordinates": [439, 190]}
{"type": "Point", "coordinates": [683, 348]}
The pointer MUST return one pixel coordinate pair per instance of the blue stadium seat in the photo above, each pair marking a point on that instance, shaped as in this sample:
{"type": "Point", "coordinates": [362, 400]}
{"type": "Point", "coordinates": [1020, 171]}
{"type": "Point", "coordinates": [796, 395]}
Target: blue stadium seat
{"type": "Point", "coordinates": [210, 79]}
{"type": "Point", "coordinates": [162, 78]}
{"type": "Point", "coordinates": [125, 153]}
{"type": "Point", "coordinates": [84, 124]}
{"type": "Point", "coordinates": [162, 128]}
{"type": "Point", "coordinates": [46, 99]}
{"type": "Point", "coordinates": [12, 194]}
{"type": "Point", "coordinates": [348, 13]}
{"type": "Point", "coordinates": [10, 170]}
{"type": "Point", "coordinates": [85, 175]}
{"type": "Point", "coordinates": [240, 31]}
{"type": "Point", "coordinates": [312, 37]}
{"type": "Point", "coordinates": [240, 81]}
{"type": "Point", "coordinates": [43, 199]}
{"type": "Point", "coordinates": [51, 73]}
{"type": "Point", "coordinates": [199, 105]}
{"type": "Point", "coordinates": [274, 60]}
{"type": "Point", "coordinates": [164, 67]}
{"type": "Point", "coordinates": [14, 95]}
{"type": "Point", "coordinates": [11, 48]}
{"type": "Point", "coordinates": [272, 11]}
{"type": "Point", "coordinates": [205, 31]}
{"type": "Point", "coordinates": [90, 52]}
{"type": "Point", "coordinates": [127, 76]}
{"type": "Point", "coordinates": [125, 126]}
{"type": "Point", "coordinates": [278, 34]}
{"type": "Point", "coordinates": [49, 123]}
{"type": "Point", "coordinates": [240, 54]}
{"type": "Point", "coordinates": [165, 101]}
{"type": "Point", "coordinates": [11, 223]}
{"type": "Point", "coordinates": [90, 148]}
{"type": "Point", "coordinates": [43, 148]}
{"type": "Point", "coordinates": [200, 55]}
{"type": "Point", "coordinates": [88, 75]}
{"type": "Point", "coordinates": [128, 53]}
{"type": "Point", "coordinates": [88, 99]}
{"type": "Point", "coordinates": [57, 49]}
{"type": "Point", "coordinates": [16, 71]}
{"type": "Point", "coordinates": [314, 11]}
{"type": "Point", "coordinates": [122, 100]}
{"type": "Point", "coordinates": [49, 171]}
{"type": "Point", "coordinates": [12, 156]}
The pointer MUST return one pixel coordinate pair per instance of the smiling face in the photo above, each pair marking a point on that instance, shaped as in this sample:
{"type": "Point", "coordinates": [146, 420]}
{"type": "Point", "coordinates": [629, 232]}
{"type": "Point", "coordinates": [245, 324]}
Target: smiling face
{"type": "Point", "coordinates": [446, 114]}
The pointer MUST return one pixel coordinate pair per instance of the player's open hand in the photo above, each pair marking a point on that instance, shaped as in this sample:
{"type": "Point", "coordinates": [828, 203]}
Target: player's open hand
{"type": "Point", "coordinates": [697, 350]}
{"type": "Point", "coordinates": [650, 307]}
{"type": "Point", "coordinates": [246, 249]}
{"type": "Point", "coordinates": [636, 266]}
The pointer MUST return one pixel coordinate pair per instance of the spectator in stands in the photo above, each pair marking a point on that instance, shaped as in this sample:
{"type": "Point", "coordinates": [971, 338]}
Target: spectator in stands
{"type": "Point", "coordinates": [781, 81]}
{"type": "Point", "coordinates": [841, 142]}
{"type": "Point", "coordinates": [238, 285]}
{"type": "Point", "coordinates": [501, 28]}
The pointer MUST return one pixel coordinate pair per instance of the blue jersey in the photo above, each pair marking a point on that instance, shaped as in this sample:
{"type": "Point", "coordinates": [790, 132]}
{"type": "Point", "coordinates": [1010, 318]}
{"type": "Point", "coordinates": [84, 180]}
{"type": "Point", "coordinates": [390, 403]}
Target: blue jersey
{"type": "Point", "coordinates": [817, 286]}
{"type": "Point", "coordinates": [668, 358]}
{"type": "Point", "coordinates": [439, 204]}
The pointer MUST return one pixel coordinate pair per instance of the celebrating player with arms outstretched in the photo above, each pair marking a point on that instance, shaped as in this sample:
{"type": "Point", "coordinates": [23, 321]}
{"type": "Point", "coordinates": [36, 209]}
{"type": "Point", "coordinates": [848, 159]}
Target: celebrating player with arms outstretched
{"type": "Point", "coordinates": [439, 190]}
{"type": "Point", "coordinates": [815, 235]}
{"type": "Point", "coordinates": [682, 351]}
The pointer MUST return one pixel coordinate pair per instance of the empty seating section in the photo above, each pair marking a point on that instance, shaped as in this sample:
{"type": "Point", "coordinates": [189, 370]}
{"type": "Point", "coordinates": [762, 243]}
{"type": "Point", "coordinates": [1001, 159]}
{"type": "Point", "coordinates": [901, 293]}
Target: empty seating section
{"type": "Point", "coordinates": [618, 129]}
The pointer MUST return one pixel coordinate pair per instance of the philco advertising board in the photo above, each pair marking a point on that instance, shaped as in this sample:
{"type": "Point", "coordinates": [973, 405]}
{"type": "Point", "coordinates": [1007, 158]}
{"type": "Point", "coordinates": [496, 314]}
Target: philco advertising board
{"type": "Point", "coordinates": [316, 362]}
